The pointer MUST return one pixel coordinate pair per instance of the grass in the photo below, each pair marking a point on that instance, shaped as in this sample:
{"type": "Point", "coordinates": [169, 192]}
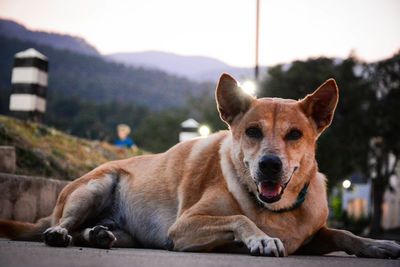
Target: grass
{"type": "Point", "coordinates": [45, 151]}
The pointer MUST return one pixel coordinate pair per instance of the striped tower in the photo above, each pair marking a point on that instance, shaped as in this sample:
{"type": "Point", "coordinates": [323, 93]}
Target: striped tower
{"type": "Point", "coordinates": [189, 130]}
{"type": "Point", "coordinates": [29, 85]}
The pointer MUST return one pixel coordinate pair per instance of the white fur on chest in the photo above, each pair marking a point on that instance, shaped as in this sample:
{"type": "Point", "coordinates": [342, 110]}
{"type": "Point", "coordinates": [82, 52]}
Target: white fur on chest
{"type": "Point", "coordinates": [238, 190]}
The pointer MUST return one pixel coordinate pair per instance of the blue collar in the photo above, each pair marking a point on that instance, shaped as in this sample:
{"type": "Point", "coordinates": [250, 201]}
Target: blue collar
{"type": "Point", "coordinates": [300, 199]}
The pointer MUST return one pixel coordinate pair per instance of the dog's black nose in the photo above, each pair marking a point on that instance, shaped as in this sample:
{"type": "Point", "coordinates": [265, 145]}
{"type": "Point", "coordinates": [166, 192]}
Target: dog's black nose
{"type": "Point", "coordinates": [270, 165]}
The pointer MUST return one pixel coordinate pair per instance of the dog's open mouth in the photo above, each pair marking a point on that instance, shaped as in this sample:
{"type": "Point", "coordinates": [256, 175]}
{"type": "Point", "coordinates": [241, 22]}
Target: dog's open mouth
{"type": "Point", "coordinates": [270, 192]}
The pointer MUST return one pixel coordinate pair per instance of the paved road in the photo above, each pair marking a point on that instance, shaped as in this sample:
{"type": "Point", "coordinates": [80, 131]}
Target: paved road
{"type": "Point", "coordinates": [15, 254]}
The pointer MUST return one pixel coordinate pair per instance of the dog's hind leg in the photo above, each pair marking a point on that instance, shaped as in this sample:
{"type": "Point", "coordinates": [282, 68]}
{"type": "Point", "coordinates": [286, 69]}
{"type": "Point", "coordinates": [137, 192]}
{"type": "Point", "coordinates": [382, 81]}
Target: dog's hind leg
{"type": "Point", "coordinates": [330, 240]}
{"type": "Point", "coordinates": [97, 237]}
{"type": "Point", "coordinates": [79, 202]}
{"type": "Point", "coordinates": [102, 237]}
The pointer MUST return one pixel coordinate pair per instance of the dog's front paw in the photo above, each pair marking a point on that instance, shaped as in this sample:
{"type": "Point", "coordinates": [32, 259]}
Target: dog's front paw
{"type": "Point", "coordinates": [57, 237]}
{"type": "Point", "coordinates": [382, 249]}
{"type": "Point", "coordinates": [100, 237]}
{"type": "Point", "coordinates": [266, 246]}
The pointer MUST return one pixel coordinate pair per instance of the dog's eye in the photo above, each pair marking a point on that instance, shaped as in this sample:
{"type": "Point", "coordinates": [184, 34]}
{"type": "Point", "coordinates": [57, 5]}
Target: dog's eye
{"type": "Point", "coordinates": [254, 132]}
{"type": "Point", "coordinates": [294, 135]}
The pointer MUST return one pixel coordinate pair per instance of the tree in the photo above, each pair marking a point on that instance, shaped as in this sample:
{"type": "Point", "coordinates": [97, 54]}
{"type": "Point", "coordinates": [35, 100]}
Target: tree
{"type": "Point", "coordinates": [204, 109]}
{"type": "Point", "coordinates": [158, 131]}
{"type": "Point", "coordinates": [385, 128]}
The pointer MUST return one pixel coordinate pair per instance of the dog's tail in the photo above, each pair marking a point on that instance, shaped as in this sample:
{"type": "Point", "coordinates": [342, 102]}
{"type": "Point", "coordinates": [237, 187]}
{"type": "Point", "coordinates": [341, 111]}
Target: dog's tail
{"type": "Point", "coordinates": [24, 231]}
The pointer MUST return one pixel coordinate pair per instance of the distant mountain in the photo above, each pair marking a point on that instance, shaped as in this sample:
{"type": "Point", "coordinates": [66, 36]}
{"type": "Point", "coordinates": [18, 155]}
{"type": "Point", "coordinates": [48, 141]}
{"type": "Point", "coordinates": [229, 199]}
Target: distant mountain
{"type": "Point", "coordinates": [11, 29]}
{"type": "Point", "coordinates": [92, 78]}
{"type": "Point", "coordinates": [197, 68]}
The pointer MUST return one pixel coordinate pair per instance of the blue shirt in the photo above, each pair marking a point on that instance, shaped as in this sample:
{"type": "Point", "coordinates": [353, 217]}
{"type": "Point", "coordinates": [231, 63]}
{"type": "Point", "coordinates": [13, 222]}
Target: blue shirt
{"type": "Point", "coordinates": [127, 142]}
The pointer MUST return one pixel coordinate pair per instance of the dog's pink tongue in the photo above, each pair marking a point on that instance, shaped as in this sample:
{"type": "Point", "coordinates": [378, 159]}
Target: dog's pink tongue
{"type": "Point", "coordinates": [270, 190]}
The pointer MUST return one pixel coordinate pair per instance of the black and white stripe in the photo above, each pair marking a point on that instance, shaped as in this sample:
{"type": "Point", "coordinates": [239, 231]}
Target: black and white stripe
{"type": "Point", "coordinates": [38, 63]}
{"type": "Point", "coordinates": [29, 85]}
{"type": "Point", "coordinates": [29, 88]}
{"type": "Point", "coordinates": [189, 130]}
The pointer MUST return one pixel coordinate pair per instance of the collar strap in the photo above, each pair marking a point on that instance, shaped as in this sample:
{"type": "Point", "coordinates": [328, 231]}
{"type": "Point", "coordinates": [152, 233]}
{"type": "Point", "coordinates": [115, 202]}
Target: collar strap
{"type": "Point", "coordinates": [300, 199]}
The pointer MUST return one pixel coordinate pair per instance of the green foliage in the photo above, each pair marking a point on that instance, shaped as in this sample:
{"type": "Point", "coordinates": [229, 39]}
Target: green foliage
{"type": "Point", "coordinates": [204, 109]}
{"type": "Point", "coordinates": [160, 130]}
{"type": "Point", "coordinates": [152, 131]}
{"type": "Point", "coordinates": [336, 205]}
{"type": "Point", "coordinates": [91, 120]}
{"type": "Point", "coordinates": [385, 123]}
{"type": "Point", "coordinates": [384, 127]}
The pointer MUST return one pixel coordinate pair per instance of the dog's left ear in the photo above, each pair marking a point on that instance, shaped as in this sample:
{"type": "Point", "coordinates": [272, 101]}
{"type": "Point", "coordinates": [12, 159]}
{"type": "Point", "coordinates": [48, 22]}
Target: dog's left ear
{"type": "Point", "coordinates": [320, 105]}
{"type": "Point", "coordinates": [232, 102]}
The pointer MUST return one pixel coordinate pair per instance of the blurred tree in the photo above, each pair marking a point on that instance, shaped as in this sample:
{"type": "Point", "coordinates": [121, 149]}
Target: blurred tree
{"type": "Point", "coordinates": [204, 109]}
{"type": "Point", "coordinates": [91, 120]}
{"type": "Point", "coordinates": [385, 128]}
{"type": "Point", "coordinates": [158, 131]}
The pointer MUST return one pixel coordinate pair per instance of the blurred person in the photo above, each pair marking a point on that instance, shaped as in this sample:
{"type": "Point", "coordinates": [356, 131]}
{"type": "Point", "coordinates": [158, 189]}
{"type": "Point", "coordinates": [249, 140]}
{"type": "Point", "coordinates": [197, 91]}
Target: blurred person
{"type": "Point", "coordinates": [123, 139]}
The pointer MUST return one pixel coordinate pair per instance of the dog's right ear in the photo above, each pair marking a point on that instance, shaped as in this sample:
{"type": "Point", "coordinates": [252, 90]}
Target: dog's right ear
{"type": "Point", "coordinates": [232, 102]}
{"type": "Point", "coordinates": [320, 105]}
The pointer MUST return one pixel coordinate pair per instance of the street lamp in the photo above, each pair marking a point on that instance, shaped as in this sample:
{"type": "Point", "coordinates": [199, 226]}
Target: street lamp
{"type": "Point", "coordinates": [204, 130]}
{"type": "Point", "coordinates": [346, 184]}
{"type": "Point", "coordinates": [249, 87]}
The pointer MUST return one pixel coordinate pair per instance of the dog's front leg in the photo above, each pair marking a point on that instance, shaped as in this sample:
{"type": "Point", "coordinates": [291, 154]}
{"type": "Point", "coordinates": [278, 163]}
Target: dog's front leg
{"type": "Point", "coordinates": [203, 232]}
{"type": "Point", "coordinates": [329, 240]}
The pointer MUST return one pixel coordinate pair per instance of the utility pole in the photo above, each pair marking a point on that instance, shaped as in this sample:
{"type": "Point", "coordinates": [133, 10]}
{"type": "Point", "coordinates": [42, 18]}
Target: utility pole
{"type": "Point", "coordinates": [257, 33]}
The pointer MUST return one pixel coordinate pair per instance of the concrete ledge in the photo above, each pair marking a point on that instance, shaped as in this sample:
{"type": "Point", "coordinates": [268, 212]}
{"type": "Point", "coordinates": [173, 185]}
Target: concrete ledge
{"type": "Point", "coordinates": [27, 198]}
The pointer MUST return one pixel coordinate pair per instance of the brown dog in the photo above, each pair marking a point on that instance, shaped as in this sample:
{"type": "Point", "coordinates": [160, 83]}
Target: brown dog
{"type": "Point", "coordinates": [257, 184]}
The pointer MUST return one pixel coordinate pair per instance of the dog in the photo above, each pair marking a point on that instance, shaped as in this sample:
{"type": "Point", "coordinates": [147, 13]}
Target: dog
{"type": "Point", "coordinates": [256, 184]}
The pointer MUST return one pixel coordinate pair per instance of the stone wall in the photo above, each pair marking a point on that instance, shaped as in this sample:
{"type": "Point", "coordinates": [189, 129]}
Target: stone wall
{"type": "Point", "coordinates": [7, 159]}
{"type": "Point", "coordinates": [26, 198]}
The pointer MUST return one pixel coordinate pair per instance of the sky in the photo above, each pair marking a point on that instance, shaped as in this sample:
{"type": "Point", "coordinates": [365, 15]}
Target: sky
{"type": "Point", "coordinates": [222, 29]}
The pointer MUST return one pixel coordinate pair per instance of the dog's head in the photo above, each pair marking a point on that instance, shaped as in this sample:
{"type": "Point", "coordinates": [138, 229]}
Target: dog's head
{"type": "Point", "coordinates": [274, 139]}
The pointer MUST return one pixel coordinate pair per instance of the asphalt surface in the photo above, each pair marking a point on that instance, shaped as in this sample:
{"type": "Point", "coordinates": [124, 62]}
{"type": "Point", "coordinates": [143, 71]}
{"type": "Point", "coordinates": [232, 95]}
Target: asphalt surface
{"type": "Point", "coordinates": [25, 254]}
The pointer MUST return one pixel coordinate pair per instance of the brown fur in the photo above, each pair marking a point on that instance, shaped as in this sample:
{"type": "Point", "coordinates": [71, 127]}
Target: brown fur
{"type": "Point", "coordinates": [197, 195]}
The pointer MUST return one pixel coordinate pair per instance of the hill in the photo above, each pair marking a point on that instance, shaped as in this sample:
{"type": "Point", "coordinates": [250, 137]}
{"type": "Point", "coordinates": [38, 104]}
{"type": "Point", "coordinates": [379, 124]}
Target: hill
{"type": "Point", "coordinates": [46, 151]}
{"type": "Point", "coordinates": [188, 66]}
{"type": "Point", "coordinates": [197, 68]}
{"type": "Point", "coordinates": [76, 44]}
{"type": "Point", "coordinates": [94, 79]}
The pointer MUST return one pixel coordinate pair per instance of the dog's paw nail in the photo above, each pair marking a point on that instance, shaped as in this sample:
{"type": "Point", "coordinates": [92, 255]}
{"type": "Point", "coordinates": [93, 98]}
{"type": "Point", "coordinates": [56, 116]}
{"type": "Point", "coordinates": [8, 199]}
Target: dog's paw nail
{"type": "Point", "coordinates": [266, 246]}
